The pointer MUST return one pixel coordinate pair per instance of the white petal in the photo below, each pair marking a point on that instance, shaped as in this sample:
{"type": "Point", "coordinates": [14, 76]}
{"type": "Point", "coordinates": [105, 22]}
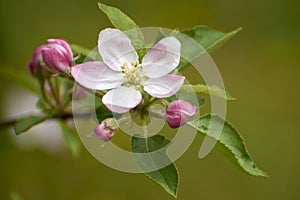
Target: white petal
{"type": "Point", "coordinates": [165, 86]}
{"type": "Point", "coordinates": [96, 76]}
{"type": "Point", "coordinates": [162, 58]}
{"type": "Point", "coordinates": [122, 99]}
{"type": "Point", "coordinates": [115, 48]}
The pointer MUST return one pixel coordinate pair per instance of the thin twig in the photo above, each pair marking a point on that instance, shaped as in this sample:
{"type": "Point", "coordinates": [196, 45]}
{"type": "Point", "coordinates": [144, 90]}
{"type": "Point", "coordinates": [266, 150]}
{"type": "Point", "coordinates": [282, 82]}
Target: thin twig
{"type": "Point", "coordinates": [64, 116]}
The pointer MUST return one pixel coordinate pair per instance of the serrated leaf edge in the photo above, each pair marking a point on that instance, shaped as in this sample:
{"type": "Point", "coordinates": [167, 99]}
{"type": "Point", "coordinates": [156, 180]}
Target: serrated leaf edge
{"type": "Point", "coordinates": [264, 174]}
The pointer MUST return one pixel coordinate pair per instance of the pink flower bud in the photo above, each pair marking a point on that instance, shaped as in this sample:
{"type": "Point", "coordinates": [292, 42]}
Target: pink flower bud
{"type": "Point", "coordinates": [179, 112]}
{"type": "Point", "coordinates": [35, 63]}
{"type": "Point", "coordinates": [57, 55]}
{"type": "Point", "coordinates": [106, 129]}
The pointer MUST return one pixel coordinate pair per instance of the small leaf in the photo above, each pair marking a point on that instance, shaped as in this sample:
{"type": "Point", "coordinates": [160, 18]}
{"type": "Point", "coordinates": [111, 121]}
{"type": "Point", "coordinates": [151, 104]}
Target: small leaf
{"type": "Point", "coordinates": [19, 77]}
{"type": "Point", "coordinates": [208, 38]}
{"type": "Point", "coordinates": [43, 106]}
{"type": "Point", "coordinates": [206, 89]}
{"type": "Point", "coordinates": [25, 123]}
{"type": "Point", "coordinates": [77, 49]}
{"type": "Point", "coordinates": [124, 23]}
{"type": "Point", "coordinates": [70, 138]}
{"type": "Point", "coordinates": [230, 142]}
{"type": "Point", "coordinates": [196, 100]}
{"type": "Point", "coordinates": [103, 113]}
{"type": "Point", "coordinates": [167, 176]}
{"type": "Point", "coordinates": [83, 54]}
{"type": "Point", "coordinates": [199, 101]}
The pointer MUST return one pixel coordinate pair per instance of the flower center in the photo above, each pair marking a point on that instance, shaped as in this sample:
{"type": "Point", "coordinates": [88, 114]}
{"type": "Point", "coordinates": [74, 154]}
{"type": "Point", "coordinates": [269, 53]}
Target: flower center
{"type": "Point", "coordinates": [133, 74]}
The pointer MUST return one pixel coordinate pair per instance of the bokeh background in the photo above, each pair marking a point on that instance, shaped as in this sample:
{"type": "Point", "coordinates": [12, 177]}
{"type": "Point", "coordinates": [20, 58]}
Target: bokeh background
{"type": "Point", "coordinates": [260, 67]}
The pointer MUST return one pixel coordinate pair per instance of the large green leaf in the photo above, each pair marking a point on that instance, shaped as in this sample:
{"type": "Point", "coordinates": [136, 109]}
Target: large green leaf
{"type": "Point", "coordinates": [25, 123]}
{"type": "Point", "coordinates": [20, 78]}
{"type": "Point", "coordinates": [70, 137]}
{"type": "Point", "coordinates": [206, 89]}
{"type": "Point", "coordinates": [230, 142]}
{"type": "Point", "coordinates": [167, 176]}
{"type": "Point", "coordinates": [208, 38]}
{"type": "Point", "coordinates": [124, 23]}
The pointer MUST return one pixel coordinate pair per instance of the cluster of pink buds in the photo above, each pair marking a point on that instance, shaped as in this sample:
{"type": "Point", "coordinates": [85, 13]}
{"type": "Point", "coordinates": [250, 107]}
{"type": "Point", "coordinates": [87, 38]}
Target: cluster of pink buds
{"type": "Point", "coordinates": [55, 57]}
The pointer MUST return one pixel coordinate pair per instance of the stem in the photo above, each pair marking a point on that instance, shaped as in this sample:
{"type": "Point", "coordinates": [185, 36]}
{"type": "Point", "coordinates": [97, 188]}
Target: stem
{"type": "Point", "coordinates": [44, 96]}
{"type": "Point", "coordinates": [63, 116]}
{"type": "Point", "coordinates": [57, 89]}
{"type": "Point", "coordinates": [152, 100]}
{"type": "Point", "coordinates": [53, 87]}
{"type": "Point", "coordinates": [144, 126]}
{"type": "Point", "coordinates": [165, 102]}
{"type": "Point", "coordinates": [146, 133]}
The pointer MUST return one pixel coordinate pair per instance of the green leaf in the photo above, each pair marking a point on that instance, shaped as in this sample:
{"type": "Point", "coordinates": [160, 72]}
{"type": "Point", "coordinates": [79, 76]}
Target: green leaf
{"type": "Point", "coordinates": [206, 89]}
{"type": "Point", "coordinates": [77, 49]}
{"type": "Point", "coordinates": [19, 77]}
{"type": "Point", "coordinates": [70, 137]}
{"type": "Point", "coordinates": [230, 142]}
{"type": "Point", "coordinates": [124, 23]}
{"type": "Point", "coordinates": [43, 106]}
{"type": "Point", "coordinates": [25, 123]}
{"type": "Point", "coordinates": [103, 113]}
{"type": "Point", "coordinates": [196, 100]}
{"type": "Point", "coordinates": [167, 176]}
{"type": "Point", "coordinates": [83, 54]}
{"type": "Point", "coordinates": [187, 97]}
{"type": "Point", "coordinates": [208, 38]}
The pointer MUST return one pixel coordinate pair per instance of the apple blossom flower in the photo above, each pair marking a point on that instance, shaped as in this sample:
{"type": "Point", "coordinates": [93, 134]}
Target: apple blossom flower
{"type": "Point", "coordinates": [57, 55]}
{"type": "Point", "coordinates": [123, 75]}
{"type": "Point", "coordinates": [178, 113]}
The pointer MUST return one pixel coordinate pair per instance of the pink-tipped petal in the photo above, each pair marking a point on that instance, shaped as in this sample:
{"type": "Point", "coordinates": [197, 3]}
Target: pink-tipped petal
{"type": "Point", "coordinates": [178, 112]}
{"type": "Point", "coordinates": [35, 63]}
{"type": "Point", "coordinates": [162, 58]}
{"type": "Point", "coordinates": [165, 86]}
{"type": "Point", "coordinates": [66, 47]}
{"type": "Point", "coordinates": [55, 59]}
{"type": "Point", "coordinates": [116, 49]}
{"type": "Point", "coordinates": [176, 120]}
{"type": "Point", "coordinates": [122, 99]}
{"type": "Point", "coordinates": [96, 76]}
{"type": "Point", "coordinates": [102, 132]}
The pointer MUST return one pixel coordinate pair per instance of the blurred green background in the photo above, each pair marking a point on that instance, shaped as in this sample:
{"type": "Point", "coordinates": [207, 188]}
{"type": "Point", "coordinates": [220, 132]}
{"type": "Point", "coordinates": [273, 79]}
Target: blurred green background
{"type": "Point", "coordinates": [260, 67]}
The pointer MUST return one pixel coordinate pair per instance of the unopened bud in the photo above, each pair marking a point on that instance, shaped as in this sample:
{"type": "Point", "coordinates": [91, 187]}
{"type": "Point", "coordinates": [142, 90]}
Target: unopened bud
{"type": "Point", "coordinates": [106, 130]}
{"type": "Point", "coordinates": [35, 63]}
{"type": "Point", "coordinates": [179, 112]}
{"type": "Point", "coordinates": [57, 55]}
